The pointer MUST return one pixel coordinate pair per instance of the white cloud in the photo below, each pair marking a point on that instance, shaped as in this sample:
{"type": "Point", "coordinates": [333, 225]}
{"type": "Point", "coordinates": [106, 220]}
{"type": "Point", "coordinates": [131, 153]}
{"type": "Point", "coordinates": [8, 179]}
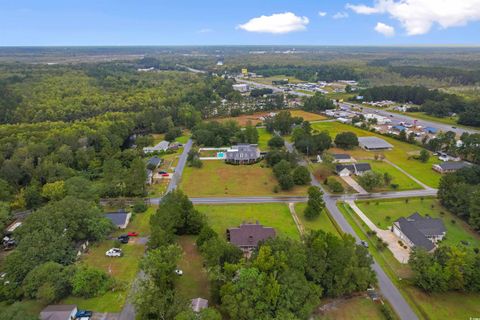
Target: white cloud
{"type": "Point", "coordinates": [418, 16]}
{"type": "Point", "coordinates": [340, 15]}
{"type": "Point", "coordinates": [322, 13]}
{"type": "Point", "coordinates": [277, 23]}
{"type": "Point", "coordinates": [205, 30]}
{"type": "Point", "coordinates": [385, 29]}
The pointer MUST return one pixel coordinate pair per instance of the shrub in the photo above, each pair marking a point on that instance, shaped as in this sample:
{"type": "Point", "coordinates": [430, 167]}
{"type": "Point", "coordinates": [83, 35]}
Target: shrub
{"type": "Point", "coordinates": [334, 185]}
{"type": "Point", "coordinates": [139, 206]}
{"type": "Point", "coordinates": [276, 142]}
{"type": "Point", "coordinates": [286, 181]}
{"type": "Point", "coordinates": [89, 282]}
{"type": "Point", "coordinates": [301, 176]}
{"type": "Point", "coordinates": [276, 189]}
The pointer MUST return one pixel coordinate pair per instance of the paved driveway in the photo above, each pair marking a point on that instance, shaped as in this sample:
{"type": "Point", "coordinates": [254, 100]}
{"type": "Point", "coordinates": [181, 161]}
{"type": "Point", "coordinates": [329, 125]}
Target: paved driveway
{"type": "Point", "coordinates": [399, 252]}
{"type": "Point", "coordinates": [354, 184]}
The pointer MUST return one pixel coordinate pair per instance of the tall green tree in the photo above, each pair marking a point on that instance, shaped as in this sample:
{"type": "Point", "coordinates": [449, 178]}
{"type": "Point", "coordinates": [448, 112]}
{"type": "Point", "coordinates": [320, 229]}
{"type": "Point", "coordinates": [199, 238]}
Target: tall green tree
{"type": "Point", "coordinates": [315, 204]}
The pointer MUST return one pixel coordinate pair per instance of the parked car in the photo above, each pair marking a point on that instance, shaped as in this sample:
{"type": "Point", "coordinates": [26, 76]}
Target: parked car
{"type": "Point", "coordinates": [165, 175]}
{"type": "Point", "coordinates": [364, 243]}
{"type": "Point", "coordinates": [83, 314]}
{"type": "Point", "coordinates": [179, 272]}
{"type": "Point", "coordinates": [133, 234]}
{"type": "Point", "coordinates": [162, 172]}
{"type": "Point", "coordinates": [123, 238]}
{"type": "Point", "coordinates": [114, 252]}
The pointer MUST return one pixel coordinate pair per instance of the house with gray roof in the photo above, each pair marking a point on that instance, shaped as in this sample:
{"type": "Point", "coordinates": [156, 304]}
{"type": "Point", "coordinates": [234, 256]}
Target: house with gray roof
{"type": "Point", "coordinates": [342, 158]}
{"type": "Point", "coordinates": [161, 146]}
{"type": "Point", "coordinates": [154, 162]}
{"type": "Point", "coordinates": [248, 235]}
{"type": "Point", "coordinates": [120, 218]}
{"type": "Point", "coordinates": [450, 166]}
{"type": "Point", "coordinates": [374, 143]}
{"type": "Point", "coordinates": [243, 154]}
{"type": "Point", "coordinates": [59, 312]}
{"type": "Point", "coordinates": [418, 231]}
{"type": "Point", "coordinates": [358, 169]}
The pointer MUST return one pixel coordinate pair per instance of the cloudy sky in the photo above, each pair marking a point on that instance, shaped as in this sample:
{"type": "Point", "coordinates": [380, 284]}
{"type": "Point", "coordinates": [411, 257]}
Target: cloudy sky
{"type": "Point", "coordinates": [209, 22]}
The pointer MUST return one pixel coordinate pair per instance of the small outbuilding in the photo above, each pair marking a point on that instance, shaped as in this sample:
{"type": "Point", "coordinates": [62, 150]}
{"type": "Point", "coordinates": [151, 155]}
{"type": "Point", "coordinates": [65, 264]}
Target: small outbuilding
{"type": "Point", "coordinates": [198, 304]}
{"type": "Point", "coordinates": [374, 144]}
{"type": "Point", "coordinates": [59, 312]}
{"type": "Point", "coordinates": [161, 146]}
{"type": "Point", "coordinates": [342, 158]}
{"type": "Point", "coordinates": [120, 218]}
{"type": "Point", "coordinates": [154, 162]}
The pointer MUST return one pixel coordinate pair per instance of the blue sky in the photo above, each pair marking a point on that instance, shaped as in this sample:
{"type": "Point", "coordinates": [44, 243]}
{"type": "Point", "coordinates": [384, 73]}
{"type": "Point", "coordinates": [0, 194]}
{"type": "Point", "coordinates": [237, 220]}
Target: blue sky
{"type": "Point", "coordinates": [210, 22]}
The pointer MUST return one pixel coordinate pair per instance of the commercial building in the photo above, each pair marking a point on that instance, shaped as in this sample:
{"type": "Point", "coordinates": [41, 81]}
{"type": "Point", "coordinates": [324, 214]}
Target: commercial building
{"type": "Point", "coordinates": [241, 87]}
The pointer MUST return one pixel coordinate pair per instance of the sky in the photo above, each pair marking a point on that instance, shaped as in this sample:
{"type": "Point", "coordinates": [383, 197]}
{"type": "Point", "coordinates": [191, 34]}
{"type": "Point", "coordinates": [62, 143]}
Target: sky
{"type": "Point", "coordinates": [240, 22]}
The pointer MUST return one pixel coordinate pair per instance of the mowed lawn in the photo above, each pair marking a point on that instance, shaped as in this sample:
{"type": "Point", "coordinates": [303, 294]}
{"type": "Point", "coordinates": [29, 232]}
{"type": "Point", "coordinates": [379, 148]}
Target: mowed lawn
{"type": "Point", "coordinates": [276, 215]}
{"type": "Point", "coordinates": [322, 222]}
{"type": "Point", "coordinates": [194, 282]}
{"type": "Point", "coordinates": [378, 211]}
{"type": "Point", "coordinates": [359, 308]}
{"type": "Point", "coordinates": [263, 137]}
{"type": "Point", "coordinates": [307, 116]}
{"type": "Point", "coordinates": [403, 181]}
{"type": "Point", "coordinates": [218, 179]}
{"type": "Point", "coordinates": [123, 269]}
{"type": "Point", "coordinates": [399, 155]}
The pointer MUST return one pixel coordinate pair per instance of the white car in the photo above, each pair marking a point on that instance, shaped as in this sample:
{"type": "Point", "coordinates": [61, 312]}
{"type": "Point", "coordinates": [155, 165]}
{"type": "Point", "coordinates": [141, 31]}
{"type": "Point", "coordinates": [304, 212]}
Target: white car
{"type": "Point", "coordinates": [114, 252]}
{"type": "Point", "coordinates": [179, 272]}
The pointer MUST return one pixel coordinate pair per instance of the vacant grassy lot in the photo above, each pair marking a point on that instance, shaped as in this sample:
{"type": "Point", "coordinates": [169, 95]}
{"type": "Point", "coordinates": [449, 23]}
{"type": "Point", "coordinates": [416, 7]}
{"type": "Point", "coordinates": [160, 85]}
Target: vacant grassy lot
{"type": "Point", "coordinates": [194, 281]}
{"type": "Point", "coordinates": [218, 179]}
{"type": "Point", "coordinates": [403, 181]}
{"type": "Point", "coordinates": [263, 137]}
{"type": "Point", "coordinates": [399, 155]}
{"type": "Point", "coordinates": [268, 80]}
{"type": "Point", "coordinates": [378, 211]}
{"type": "Point", "coordinates": [276, 215]}
{"type": "Point", "coordinates": [361, 308]}
{"type": "Point", "coordinates": [323, 222]}
{"type": "Point", "coordinates": [307, 116]}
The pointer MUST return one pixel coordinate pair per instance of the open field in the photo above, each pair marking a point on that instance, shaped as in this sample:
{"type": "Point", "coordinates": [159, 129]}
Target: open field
{"type": "Point", "coordinates": [451, 305]}
{"type": "Point", "coordinates": [268, 80]}
{"type": "Point", "coordinates": [378, 211]}
{"type": "Point", "coordinates": [263, 137]}
{"type": "Point", "coordinates": [194, 282]}
{"type": "Point", "coordinates": [399, 155]}
{"type": "Point", "coordinates": [218, 179]}
{"type": "Point", "coordinates": [323, 222]}
{"type": "Point", "coordinates": [243, 119]}
{"type": "Point", "coordinates": [276, 215]}
{"type": "Point", "coordinates": [361, 308]}
{"type": "Point", "coordinates": [403, 181]}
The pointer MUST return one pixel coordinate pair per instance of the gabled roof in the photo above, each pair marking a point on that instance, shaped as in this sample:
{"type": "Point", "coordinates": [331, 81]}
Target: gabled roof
{"type": "Point", "coordinates": [57, 312]}
{"type": "Point", "coordinates": [154, 161]}
{"type": "Point", "coordinates": [249, 234]}
{"type": "Point", "coordinates": [117, 218]}
{"type": "Point", "coordinates": [340, 167]}
{"type": "Point", "coordinates": [363, 167]}
{"type": "Point", "coordinates": [452, 165]}
{"type": "Point", "coordinates": [354, 167]}
{"type": "Point", "coordinates": [418, 228]}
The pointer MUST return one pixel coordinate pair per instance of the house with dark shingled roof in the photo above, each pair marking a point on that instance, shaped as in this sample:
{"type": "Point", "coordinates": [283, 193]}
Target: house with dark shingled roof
{"type": "Point", "coordinates": [248, 235]}
{"type": "Point", "coordinates": [418, 231]}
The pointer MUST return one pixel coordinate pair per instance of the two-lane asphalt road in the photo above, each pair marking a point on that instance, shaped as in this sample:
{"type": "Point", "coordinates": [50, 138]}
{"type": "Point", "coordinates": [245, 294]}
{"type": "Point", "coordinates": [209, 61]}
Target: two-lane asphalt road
{"type": "Point", "coordinates": [177, 176]}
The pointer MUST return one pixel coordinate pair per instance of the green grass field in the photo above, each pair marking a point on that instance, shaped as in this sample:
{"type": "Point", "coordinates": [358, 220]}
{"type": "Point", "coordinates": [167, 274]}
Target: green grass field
{"type": "Point", "coordinates": [399, 154]}
{"type": "Point", "coordinates": [360, 308]}
{"type": "Point", "coordinates": [396, 208]}
{"type": "Point", "coordinates": [194, 282]}
{"type": "Point", "coordinates": [263, 137]}
{"type": "Point", "coordinates": [218, 179]}
{"type": "Point", "coordinates": [276, 215]}
{"type": "Point", "coordinates": [403, 181]}
{"type": "Point", "coordinates": [451, 305]}
{"type": "Point", "coordinates": [323, 222]}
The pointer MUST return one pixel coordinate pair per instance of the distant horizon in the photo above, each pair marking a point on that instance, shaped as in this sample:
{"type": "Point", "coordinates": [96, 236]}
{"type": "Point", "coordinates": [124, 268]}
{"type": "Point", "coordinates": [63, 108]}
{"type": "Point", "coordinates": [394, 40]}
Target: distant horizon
{"type": "Point", "coordinates": [250, 45]}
